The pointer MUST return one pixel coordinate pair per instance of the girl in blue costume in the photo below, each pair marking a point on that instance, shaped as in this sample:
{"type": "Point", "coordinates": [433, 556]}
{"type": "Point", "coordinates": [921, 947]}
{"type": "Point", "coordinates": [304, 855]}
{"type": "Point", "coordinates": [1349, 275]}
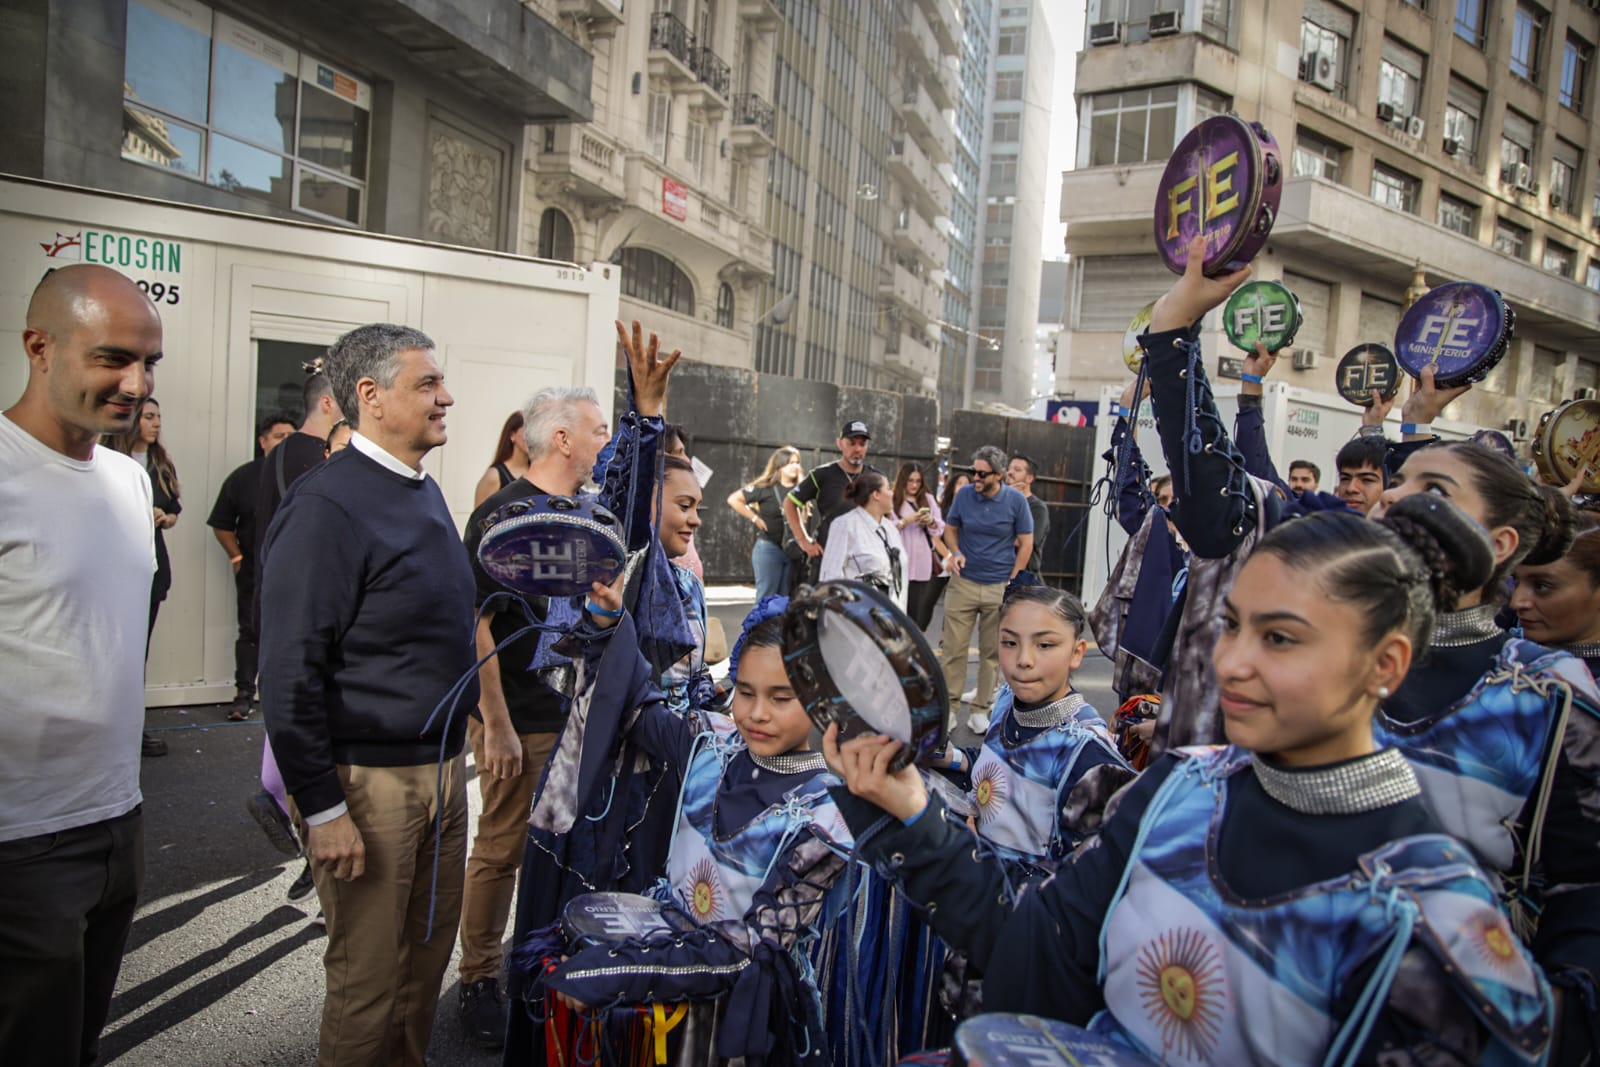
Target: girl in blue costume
{"type": "Point", "coordinates": [1505, 733]}
{"type": "Point", "coordinates": [1285, 899]}
{"type": "Point", "coordinates": [757, 847]}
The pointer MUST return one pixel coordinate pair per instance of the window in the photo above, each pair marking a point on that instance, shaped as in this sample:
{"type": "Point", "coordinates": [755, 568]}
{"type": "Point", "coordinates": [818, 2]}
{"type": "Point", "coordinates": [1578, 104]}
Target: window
{"type": "Point", "coordinates": [694, 149]}
{"type": "Point", "coordinates": [1564, 177]}
{"type": "Point", "coordinates": [1008, 85]}
{"type": "Point", "coordinates": [1001, 214]}
{"type": "Point", "coordinates": [1469, 22]}
{"type": "Point", "coordinates": [725, 306]}
{"type": "Point", "coordinates": [1516, 145]}
{"type": "Point", "coordinates": [1215, 18]}
{"type": "Point", "coordinates": [1133, 126]}
{"type": "Point", "coordinates": [738, 184]}
{"type": "Point", "coordinates": [1510, 238]}
{"type": "Point", "coordinates": [1325, 35]}
{"type": "Point", "coordinates": [1458, 216]}
{"type": "Point", "coordinates": [555, 235]}
{"type": "Point", "coordinates": [1003, 169]}
{"type": "Point", "coordinates": [1011, 43]}
{"type": "Point", "coordinates": [1549, 374]}
{"type": "Point", "coordinates": [1007, 128]}
{"type": "Point", "coordinates": [1463, 113]}
{"type": "Point", "coordinates": [1575, 73]}
{"type": "Point", "coordinates": [1394, 188]}
{"type": "Point", "coordinates": [655, 279]}
{"type": "Point", "coordinates": [1208, 104]}
{"type": "Point", "coordinates": [1558, 259]}
{"type": "Point", "coordinates": [1527, 38]}
{"type": "Point", "coordinates": [1400, 79]}
{"type": "Point", "coordinates": [1593, 280]}
{"type": "Point", "coordinates": [211, 99]}
{"type": "Point", "coordinates": [658, 124]}
{"type": "Point", "coordinates": [1316, 157]}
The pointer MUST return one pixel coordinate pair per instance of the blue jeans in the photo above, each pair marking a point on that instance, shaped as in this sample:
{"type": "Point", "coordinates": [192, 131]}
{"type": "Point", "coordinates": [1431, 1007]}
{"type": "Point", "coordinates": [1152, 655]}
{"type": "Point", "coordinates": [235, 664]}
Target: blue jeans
{"type": "Point", "coordinates": [771, 567]}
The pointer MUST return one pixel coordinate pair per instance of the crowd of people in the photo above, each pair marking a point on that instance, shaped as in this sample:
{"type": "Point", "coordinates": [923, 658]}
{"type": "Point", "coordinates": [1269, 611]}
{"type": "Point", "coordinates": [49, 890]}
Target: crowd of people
{"type": "Point", "coordinates": [1347, 812]}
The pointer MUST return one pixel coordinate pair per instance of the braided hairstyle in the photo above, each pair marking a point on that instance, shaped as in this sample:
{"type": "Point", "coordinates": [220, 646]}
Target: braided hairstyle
{"type": "Point", "coordinates": [1068, 608]}
{"type": "Point", "coordinates": [1544, 519]}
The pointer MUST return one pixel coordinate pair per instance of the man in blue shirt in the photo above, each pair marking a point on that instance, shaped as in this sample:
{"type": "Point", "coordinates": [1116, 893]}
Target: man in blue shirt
{"type": "Point", "coordinates": [989, 531]}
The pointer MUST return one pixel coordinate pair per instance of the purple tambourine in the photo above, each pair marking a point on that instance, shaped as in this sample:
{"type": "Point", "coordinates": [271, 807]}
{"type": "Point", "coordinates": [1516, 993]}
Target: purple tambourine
{"type": "Point", "coordinates": [1460, 329]}
{"type": "Point", "coordinates": [1002, 1040]}
{"type": "Point", "coordinates": [552, 546]}
{"type": "Point", "coordinates": [1223, 182]}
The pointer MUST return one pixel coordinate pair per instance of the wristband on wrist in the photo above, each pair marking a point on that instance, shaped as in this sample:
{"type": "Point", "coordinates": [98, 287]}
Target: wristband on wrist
{"type": "Point", "coordinates": [605, 613]}
{"type": "Point", "coordinates": [1119, 412]}
{"type": "Point", "coordinates": [1416, 427]}
{"type": "Point", "coordinates": [1253, 379]}
{"type": "Point", "coordinates": [1370, 431]}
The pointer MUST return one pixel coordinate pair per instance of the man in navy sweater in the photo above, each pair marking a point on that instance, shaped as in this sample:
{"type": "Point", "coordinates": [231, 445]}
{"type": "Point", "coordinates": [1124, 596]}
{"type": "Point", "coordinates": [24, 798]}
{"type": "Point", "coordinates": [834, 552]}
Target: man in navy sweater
{"type": "Point", "coordinates": [366, 613]}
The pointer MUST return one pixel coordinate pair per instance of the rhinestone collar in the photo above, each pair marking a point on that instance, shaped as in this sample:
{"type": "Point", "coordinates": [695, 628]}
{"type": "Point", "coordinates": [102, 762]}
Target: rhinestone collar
{"type": "Point", "coordinates": [1584, 650]}
{"type": "Point", "coordinates": [788, 763]}
{"type": "Point", "coordinates": [1350, 787]}
{"type": "Point", "coordinates": [1052, 714]}
{"type": "Point", "coordinates": [1458, 629]}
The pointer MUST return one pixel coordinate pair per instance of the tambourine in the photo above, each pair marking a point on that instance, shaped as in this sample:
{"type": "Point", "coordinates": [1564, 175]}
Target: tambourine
{"type": "Point", "coordinates": [1223, 182]}
{"type": "Point", "coordinates": [1461, 329]}
{"type": "Point", "coordinates": [1569, 438]}
{"type": "Point", "coordinates": [1002, 1040]}
{"type": "Point", "coordinates": [1366, 369]}
{"type": "Point", "coordinates": [1496, 440]}
{"type": "Point", "coordinates": [1132, 350]}
{"type": "Point", "coordinates": [552, 546]}
{"type": "Point", "coordinates": [611, 918]}
{"type": "Point", "coordinates": [858, 660]}
{"type": "Point", "coordinates": [1261, 311]}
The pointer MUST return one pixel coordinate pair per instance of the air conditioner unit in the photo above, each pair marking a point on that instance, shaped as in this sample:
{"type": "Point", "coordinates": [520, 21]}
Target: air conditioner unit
{"type": "Point", "coordinates": [1324, 71]}
{"type": "Point", "coordinates": [1385, 111]}
{"type": "Point", "coordinates": [1165, 23]}
{"type": "Point", "coordinates": [1588, 392]}
{"type": "Point", "coordinates": [1105, 33]}
{"type": "Point", "coordinates": [1304, 359]}
{"type": "Point", "coordinates": [1559, 202]}
{"type": "Point", "coordinates": [1416, 127]}
{"type": "Point", "coordinates": [1522, 176]}
{"type": "Point", "coordinates": [1452, 146]}
{"type": "Point", "coordinates": [1518, 429]}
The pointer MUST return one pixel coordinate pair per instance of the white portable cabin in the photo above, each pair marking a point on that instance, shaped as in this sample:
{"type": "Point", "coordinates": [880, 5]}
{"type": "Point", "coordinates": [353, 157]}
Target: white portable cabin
{"type": "Point", "coordinates": [1300, 424]}
{"type": "Point", "coordinates": [244, 300]}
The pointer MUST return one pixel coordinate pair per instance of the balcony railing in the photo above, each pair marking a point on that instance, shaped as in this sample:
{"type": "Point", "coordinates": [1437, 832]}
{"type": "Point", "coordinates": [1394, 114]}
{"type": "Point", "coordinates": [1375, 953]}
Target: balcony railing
{"type": "Point", "coordinates": [669, 34]}
{"type": "Point", "coordinates": [710, 68]}
{"type": "Point", "coordinates": [750, 110]}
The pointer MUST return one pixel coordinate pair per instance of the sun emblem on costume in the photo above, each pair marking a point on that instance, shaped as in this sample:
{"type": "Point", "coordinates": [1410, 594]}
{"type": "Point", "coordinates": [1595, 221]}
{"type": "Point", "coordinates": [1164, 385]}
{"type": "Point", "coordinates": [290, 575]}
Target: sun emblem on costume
{"type": "Point", "coordinates": [1492, 937]}
{"type": "Point", "coordinates": [703, 892]}
{"type": "Point", "coordinates": [1182, 988]}
{"type": "Point", "coordinates": [991, 785]}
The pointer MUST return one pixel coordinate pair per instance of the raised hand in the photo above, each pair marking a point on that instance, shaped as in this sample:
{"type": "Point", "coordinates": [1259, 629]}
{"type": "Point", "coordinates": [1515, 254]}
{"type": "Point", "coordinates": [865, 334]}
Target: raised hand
{"type": "Point", "coordinates": [1194, 294]}
{"type": "Point", "coordinates": [863, 764]}
{"type": "Point", "coordinates": [1427, 401]}
{"type": "Point", "coordinates": [1260, 363]}
{"type": "Point", "coordinates": [649, 370]}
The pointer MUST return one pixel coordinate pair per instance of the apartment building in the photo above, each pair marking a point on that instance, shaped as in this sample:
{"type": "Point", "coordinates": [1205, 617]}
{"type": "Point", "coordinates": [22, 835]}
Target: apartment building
{"type": "Point", "coordinates": [1454, 137]}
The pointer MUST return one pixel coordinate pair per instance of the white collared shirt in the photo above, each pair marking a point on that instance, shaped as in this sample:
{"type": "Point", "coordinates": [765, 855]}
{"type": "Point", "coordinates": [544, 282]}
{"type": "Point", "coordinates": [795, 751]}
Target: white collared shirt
{"type": "Point", "coordinates": [385, 459]}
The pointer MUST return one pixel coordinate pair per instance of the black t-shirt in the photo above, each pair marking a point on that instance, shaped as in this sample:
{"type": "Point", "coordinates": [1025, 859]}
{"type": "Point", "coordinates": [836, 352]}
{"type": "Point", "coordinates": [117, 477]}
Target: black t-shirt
{"type": "Point", "coordinates": [534, 708]}
{"type": "Point", "coordinates": [767, 500]}
{"type": "Point", "coordinates": [298, 453]}
{"type": "Point", "coordinates": [826, 485]}
{"type": "Point", "coordinates": [235, 509]}
{"type": "Point", "coordinates": [1041, 530]}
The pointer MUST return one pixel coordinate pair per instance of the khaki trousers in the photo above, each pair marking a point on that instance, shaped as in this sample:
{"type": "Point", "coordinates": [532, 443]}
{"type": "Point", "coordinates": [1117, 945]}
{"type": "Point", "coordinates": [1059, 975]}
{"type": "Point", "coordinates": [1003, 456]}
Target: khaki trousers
{"type": "Point", "coordinates": [965, 604]}
{"type": "Point", "coordinates": [383, 968]}
{"type": "Point", "coordinates": [497, 853]}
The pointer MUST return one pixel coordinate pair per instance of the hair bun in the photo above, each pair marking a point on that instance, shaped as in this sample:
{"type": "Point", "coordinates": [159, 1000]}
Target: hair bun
{"type": "Point", "coordinates": [1440, 532]}
{"type": "Point", "coordinates": [1560, 527]}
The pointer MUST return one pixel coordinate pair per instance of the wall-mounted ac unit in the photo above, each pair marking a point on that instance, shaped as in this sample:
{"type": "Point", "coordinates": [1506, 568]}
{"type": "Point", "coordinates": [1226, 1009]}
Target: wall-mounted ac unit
{"type": "Point", "coordinates": [1588, 392]}
{"type": "Point", "coordinates": [1522, 178]}
{"type": "Point", "coordinates": [1165, 23]}
{"type": "Point", "coordinates": [1304, 359]}
{"type": "Point", "coordinates": [1385, 111]}
{"type": "Point", "coordinates": [1416, 127]}
{"type": "Point", "coordinates": [1452, 146]}
{"type": "Point", "coordinates": [1105, 33]}
{"type": "Point", "coordinates": [1559, 202]}
{"type": "Point", "coordinates": [1518, 429]}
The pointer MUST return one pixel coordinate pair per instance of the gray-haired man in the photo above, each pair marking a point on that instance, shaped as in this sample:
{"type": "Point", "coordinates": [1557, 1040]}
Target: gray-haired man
{"type": "Point", "coordinates": [366, 608]}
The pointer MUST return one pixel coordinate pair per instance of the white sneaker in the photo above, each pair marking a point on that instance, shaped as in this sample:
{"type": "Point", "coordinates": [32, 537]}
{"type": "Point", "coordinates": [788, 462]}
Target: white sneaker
{"type": "Point", "coordinates": [970, 695]}
{"type": "Point", "coordinates": [978, 723]}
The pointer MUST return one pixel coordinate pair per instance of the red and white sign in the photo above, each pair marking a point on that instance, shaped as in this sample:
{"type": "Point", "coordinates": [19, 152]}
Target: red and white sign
{"type": "Point", "coordinates": [674, 199]}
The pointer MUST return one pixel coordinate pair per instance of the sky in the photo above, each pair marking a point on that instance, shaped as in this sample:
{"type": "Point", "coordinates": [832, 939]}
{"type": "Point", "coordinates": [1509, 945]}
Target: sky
{"type": "Point", "coordinates": [1065, 19]}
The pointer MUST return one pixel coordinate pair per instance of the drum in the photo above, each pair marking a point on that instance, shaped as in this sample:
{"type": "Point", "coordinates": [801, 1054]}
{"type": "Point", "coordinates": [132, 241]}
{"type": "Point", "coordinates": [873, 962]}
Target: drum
{"type": "Point", "coordinates": [1365, 369]}
{"type": "Point", "coordinates": [552, 546]}
{"type": "Point", "coordinates": [858, 660]}
{"type": "Point", "coordinates": [1569, 438]}
{"type": "Point", "coordinates": [1460, 329]}
{"type": "Point", "coordinates": [1000, 1040]}
{"type": "Point", "coordinates": [1132, 350]}
{"type": "Point", "coordinates": [611, 918]}
{"type": "Point", "coordinates": [1222, 182]}
{"type": "Point", "coordinates": [1262, 311]}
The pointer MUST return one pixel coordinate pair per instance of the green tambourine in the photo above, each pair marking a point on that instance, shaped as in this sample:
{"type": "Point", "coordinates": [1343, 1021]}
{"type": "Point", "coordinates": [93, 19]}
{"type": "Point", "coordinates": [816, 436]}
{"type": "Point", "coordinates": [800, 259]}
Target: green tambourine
{"type": "Point", "coordinates": [1262, 311]}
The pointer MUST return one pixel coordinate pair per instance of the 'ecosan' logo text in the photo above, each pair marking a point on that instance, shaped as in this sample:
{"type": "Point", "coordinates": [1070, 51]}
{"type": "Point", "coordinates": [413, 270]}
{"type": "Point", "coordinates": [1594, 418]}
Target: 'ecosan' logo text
{"type": "Point", "coordinates": [117, 250]}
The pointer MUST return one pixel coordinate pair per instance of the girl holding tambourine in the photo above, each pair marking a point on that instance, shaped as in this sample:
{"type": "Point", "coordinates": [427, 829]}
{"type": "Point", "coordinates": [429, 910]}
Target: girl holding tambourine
{"type": "Point", "coordinates": [1283, 899]}
{"type": "Point", "coordinates": [757, 846]}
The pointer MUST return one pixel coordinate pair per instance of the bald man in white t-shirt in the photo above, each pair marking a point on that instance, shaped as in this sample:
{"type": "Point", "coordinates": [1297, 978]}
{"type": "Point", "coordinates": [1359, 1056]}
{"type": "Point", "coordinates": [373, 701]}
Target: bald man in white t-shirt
{"type": "Point", "coordinates": [77, 552]}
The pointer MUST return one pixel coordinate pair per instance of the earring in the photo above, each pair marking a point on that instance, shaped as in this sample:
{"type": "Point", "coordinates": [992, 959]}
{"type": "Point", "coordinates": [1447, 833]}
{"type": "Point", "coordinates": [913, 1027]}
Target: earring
{"type": "Point", "coordinates": [1383, 692]}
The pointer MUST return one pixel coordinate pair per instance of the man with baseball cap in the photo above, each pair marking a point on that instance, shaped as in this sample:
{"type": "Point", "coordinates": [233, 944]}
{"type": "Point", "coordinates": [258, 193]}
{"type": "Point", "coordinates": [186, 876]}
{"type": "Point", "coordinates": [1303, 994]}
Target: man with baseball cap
{"type": "Point", "coordinates": [826, 487]}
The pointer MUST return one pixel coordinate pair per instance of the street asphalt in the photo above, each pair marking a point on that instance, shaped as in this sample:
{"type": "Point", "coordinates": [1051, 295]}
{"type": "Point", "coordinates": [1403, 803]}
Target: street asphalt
{"type": "Point", "coordinates": [221, 969]}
